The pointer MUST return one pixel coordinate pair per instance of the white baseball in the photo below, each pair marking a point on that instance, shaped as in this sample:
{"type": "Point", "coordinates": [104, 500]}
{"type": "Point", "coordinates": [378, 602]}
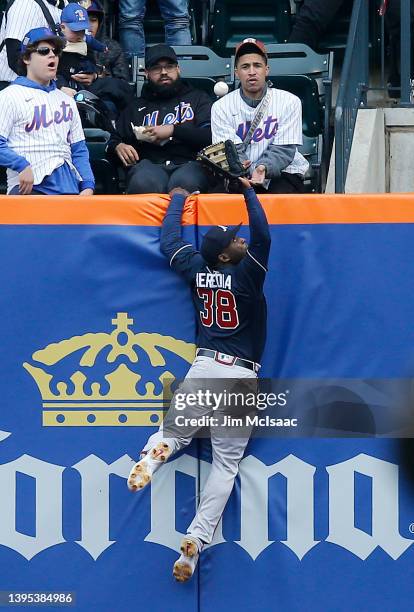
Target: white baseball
{"type": "Point", "coordinates": [221, 89]}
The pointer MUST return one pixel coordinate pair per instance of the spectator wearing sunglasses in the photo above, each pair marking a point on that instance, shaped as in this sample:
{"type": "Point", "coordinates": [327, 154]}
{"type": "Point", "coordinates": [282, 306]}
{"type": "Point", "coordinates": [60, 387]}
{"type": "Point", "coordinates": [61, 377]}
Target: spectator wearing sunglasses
{"type": "Point", "coordinates": [19, 17]}
{"type": "Point", "coordinates": [42, 143]}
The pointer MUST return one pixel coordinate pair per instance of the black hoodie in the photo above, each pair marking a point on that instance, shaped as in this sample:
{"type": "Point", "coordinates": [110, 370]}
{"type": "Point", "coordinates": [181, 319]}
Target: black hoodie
{"type": "Point", "coordinates": [188, 109]}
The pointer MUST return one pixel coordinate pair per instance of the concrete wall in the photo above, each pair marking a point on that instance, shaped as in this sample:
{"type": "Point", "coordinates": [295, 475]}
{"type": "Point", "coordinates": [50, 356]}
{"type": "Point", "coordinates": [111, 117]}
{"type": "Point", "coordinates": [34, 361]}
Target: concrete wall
{"type": "Point", "coordinates": [382, 154]}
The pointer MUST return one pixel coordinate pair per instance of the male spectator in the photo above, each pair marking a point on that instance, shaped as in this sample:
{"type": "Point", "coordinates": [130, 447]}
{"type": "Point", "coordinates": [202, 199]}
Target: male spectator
{"type": "Point", "coordinates": [264, 123]}
{"type": "Point", "coordinates": [313, 20]}
{"type": "Point", "coordinates": [20, 17]}
{"type": "Point", "coordinates": [158, 135]}
{"type": "Point", "coordinates": [131, 28]}
{"type": "Point", "coordinates": [42, 144]}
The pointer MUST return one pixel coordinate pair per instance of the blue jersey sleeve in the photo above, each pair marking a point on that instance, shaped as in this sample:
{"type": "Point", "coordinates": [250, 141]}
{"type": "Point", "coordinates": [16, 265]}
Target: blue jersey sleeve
{"type": "Point", "coordinates": [182, 256]}
{"type": "Point", "coordinates": [251, 271]}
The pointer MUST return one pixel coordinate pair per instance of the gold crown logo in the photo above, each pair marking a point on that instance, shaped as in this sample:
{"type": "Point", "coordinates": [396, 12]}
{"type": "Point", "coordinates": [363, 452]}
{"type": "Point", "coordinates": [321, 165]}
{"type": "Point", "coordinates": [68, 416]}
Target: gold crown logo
{"type": "Point", "coordinates": [117, 402]}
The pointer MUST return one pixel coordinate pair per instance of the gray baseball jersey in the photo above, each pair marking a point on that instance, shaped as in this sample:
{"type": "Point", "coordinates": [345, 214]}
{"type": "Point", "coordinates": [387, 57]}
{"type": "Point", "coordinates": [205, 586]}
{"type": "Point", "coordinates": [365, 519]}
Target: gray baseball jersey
{"type": "Point", "coordinates": [40, 127]}
{"type": "Point", "coordinates": [281, 124]}
{"type": "Point", "coordinates": [23, 15]}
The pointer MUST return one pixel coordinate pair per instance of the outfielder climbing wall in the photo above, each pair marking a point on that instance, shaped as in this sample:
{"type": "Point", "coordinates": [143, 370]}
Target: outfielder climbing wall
{"type": "Point", "coordinates": [94, 327]}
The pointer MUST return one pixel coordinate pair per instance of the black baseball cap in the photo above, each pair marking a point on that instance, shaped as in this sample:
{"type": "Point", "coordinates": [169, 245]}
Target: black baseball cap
{"type": "Point", "coordinates": [216, 240]}
{"type": "Point", "coordinates": [157, 52]}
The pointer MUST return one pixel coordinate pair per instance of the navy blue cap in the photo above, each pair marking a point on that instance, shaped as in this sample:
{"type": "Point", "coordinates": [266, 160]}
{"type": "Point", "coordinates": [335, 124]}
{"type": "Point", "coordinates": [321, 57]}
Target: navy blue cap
{"type": "Point", "coordinates": [75, 17]}
{"type": "Point", "coordinates": [216, 240]}
{"type": "Point", "coordinates": [39, 34]}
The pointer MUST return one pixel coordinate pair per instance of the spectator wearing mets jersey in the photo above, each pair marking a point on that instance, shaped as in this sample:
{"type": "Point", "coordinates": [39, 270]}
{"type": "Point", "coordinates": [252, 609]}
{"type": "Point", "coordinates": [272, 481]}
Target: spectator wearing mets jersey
{"type": "Point", "coordinates": [42, 143]}
{"type": "Point", "coordinates": [158, 135]}
{"type": "Point", "coordinates": [265, 124]}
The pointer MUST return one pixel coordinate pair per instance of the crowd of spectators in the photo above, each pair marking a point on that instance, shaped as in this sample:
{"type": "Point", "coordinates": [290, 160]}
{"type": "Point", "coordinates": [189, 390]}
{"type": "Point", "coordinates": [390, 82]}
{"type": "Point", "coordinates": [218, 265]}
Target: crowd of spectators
{"type": "Point", "coordinates": [155, 137]}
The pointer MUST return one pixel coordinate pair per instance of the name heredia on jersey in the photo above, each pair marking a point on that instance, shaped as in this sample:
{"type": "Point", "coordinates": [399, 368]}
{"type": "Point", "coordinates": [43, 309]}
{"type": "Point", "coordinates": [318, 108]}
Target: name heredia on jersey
{"type": "Point", "coordinates": [215, 280]}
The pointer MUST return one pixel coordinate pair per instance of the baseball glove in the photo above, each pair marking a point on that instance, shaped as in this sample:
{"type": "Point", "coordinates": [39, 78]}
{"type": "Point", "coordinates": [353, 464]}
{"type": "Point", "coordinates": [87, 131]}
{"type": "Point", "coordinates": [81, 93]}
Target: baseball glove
{"type": "Point", "coordinates": [222, 160]}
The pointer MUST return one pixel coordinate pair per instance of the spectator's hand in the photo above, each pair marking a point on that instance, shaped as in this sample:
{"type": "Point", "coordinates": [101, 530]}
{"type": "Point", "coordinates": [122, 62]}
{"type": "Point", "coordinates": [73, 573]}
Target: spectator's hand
{"type": "Point", "coordinates": [159, 133]}
{"type": "Point", "coordinates": [246, 163]}
{"type": "Point", "coordinates": [179, 190]}
{"type": "Point", "coordinates": [85, 79]}
{"type": "Point", "coordinates": [258, 175]}
{"type": "Point", "coordinates": [86, 192]}
{"type": "Point", "coordinates": [26, 180]}
{"type": "Point", "coordinates": [245, 182]}
{"type": "Point", "coordinates": [127, 154]}
{"type": "Point", "coordinates": [68, 91]}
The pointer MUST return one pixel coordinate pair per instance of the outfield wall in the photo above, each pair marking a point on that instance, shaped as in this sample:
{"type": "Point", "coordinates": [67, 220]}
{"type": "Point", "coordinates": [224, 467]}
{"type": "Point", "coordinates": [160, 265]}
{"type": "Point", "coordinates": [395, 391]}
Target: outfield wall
{"type": "Point", "coordinates": [93, 318]}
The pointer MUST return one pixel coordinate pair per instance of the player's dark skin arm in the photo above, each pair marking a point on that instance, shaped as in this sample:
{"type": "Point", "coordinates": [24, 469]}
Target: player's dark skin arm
{"type": "Point", "coordinates": [259, 245]}
{"type": "Point", "coordinates": [171, 239]}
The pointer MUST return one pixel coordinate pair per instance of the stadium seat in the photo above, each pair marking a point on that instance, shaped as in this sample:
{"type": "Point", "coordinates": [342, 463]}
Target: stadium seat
{"type": "Point", "coordinates": [203, 68]}
{"type": "Point", "coordinates": [199, 65]}
{"type": "Point", "coordinates": [336, 37]}
{"type": "Point", "coordinates": [234, 20]}
{"type": "Point", "coordinates": [106, 176]}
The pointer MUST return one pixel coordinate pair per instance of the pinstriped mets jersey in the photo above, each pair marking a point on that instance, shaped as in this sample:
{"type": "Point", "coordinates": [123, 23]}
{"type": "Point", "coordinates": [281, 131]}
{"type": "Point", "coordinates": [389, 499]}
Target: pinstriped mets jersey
{"type": "Point", "coordinates": [281, 124]}
{"type": "Point", "coordinates": [40, 126]}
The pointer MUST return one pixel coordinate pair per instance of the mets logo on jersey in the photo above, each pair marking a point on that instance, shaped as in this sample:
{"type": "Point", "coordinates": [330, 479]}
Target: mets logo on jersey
{"type": "Point", "coordinates": [42, 119]}
{"type": "Point", "coordinates": [271, 125]}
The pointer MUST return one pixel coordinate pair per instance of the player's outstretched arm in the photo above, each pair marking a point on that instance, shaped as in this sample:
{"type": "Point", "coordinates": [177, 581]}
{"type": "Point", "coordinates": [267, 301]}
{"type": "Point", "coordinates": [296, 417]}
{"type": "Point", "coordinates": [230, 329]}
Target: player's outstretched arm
{"type": "Point", "coordinates": [259, 245]}
{"type": "Point", "coordinates": [182, 256]}
{"type": "Point", "coordinates": [171, 240]}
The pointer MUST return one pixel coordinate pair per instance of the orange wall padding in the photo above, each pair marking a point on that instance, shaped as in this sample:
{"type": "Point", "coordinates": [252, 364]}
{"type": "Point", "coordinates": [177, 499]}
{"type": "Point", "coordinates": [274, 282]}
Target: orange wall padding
{"type": "Point", "coordinates": [206, 209]}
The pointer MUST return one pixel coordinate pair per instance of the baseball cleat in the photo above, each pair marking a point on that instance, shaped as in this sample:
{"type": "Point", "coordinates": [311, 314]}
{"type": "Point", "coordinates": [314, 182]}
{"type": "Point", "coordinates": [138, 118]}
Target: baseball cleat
{"type": "Point", "coordinates": [161, 452]}
{"type": "Point", "coordinates": [185, 566]}
{"type": "Point", "coordinates": [141, 474]}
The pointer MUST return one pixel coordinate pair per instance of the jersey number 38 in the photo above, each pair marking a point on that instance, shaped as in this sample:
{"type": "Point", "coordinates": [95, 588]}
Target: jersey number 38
{"type": "Point", "coordinates": [219, 307]}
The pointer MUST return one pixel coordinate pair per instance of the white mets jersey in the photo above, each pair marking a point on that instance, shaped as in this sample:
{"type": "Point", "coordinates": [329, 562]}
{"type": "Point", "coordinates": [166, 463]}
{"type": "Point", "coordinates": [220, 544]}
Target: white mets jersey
{"type": "Point", "coordinates": [40, 126]}
{"type": "Point", "coordinates": [281, 124]}
{"type": "Point", "coordinates": [23, 15]}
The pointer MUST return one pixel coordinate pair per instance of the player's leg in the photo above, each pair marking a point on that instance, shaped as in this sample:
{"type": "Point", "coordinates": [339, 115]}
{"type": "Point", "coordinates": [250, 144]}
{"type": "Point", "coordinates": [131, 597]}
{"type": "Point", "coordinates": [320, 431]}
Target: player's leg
{"type": "Point", "coordinates": [180, 425]}
{"type": "Point", "coordinates": [227, 454]}
{"type": "Point", "coordinates": [228, 446]}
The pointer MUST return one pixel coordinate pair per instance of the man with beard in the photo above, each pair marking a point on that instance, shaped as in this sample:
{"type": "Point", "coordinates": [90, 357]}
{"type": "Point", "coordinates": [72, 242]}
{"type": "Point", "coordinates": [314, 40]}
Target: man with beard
{"type": "Point", "coordinates": [20, 17]}
{"type": "Point", "coordinates": [158, 135]}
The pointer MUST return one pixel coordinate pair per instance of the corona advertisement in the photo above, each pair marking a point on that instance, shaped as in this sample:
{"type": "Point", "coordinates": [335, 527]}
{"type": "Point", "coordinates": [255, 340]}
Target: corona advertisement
{"type": "Point", "coordinates": [96, 330]}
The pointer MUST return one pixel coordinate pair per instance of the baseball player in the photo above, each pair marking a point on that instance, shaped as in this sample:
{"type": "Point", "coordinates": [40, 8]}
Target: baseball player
{"type": "Point", "coordinates": [42, 143]}
{"type": "Point", "coordinates": [20, 17]}
{"type": "Point", "coordinates": [226, 279]}
{"type": "Point", "coordinates": [271, 150]}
